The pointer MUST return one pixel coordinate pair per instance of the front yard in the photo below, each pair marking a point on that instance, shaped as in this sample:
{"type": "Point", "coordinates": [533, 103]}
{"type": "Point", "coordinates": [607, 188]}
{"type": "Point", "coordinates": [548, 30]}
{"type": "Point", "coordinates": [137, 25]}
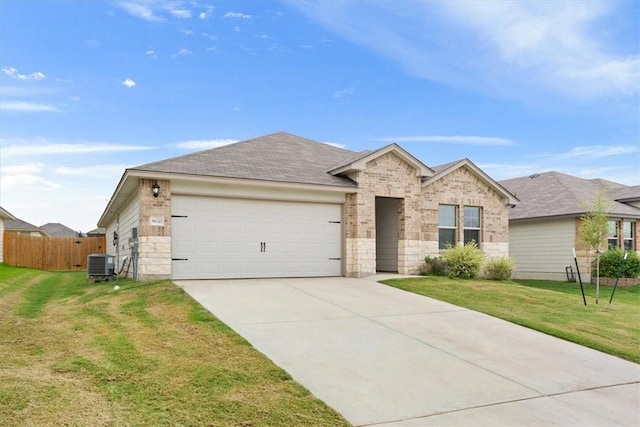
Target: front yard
{"type": "Point", "coordinates": [555, 308]}
{"type": "Point", "coordinates": [74, 353]}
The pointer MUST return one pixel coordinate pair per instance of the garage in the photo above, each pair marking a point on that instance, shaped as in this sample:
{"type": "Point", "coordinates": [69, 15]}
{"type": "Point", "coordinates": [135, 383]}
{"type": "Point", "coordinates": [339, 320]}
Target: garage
{"type": "Point", "coordinates": [223, 238]}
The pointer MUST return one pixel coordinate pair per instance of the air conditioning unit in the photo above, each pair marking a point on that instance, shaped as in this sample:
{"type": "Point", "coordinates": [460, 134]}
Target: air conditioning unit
{"type": "Point", "coordinates": [100, 265]}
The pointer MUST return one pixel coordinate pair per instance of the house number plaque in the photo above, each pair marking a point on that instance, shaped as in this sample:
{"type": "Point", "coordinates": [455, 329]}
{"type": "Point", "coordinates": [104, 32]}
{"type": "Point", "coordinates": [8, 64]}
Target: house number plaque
{"type": "Point", "coordinates": [157, 221]}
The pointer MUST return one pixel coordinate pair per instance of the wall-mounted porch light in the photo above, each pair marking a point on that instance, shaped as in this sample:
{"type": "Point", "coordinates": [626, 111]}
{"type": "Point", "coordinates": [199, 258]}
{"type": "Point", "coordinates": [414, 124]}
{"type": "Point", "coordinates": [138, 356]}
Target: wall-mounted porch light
{"type": "Point", "coordinates": [155, 188]}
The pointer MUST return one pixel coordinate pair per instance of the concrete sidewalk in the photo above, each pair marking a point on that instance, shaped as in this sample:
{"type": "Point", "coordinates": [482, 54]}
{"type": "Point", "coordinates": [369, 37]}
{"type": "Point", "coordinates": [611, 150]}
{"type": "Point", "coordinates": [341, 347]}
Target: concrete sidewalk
{"type": "Point", "coordinates": [382, 356]}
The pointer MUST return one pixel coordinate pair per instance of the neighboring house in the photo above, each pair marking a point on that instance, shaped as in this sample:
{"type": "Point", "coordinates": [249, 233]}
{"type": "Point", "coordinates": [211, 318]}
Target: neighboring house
{"type": "Point", "coordinates": [285, 206]}
{"type": "Point", "coordinates": [55, 229]}
{"type": "Point", "coordinates": [19, 226]}
{"type": "Point", "coordinates": [4, 216]}
{"type": "Point", "coordinates": [543, 228]}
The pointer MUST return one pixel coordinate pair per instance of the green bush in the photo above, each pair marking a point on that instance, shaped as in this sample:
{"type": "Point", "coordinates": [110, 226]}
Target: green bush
{"type": "Point", "coordinates": [499, 268]}
{"type": "Point", "coordinates": [610, 262]}
{"type": "Point", "coordinates": [434, 267]}
{"type": "Point", "coordinates": [463, 262]}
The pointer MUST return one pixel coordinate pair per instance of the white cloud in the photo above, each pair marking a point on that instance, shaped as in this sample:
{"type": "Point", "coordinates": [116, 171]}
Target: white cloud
{"type": "Point", "coordinates": [27, 168]}
{"type": "Point", "coordinates": [152, 53]}
{"type": "Point", "coordinates": [504, 47]}
{"type": "Point", "coordinates": [184, 51]}
{"type": "Point", "coordinates": [13, 73]}
{"type": "Point", "coordinates": [236, 29]}
{"type": "Point", "coordinates": [344, 92]}
{"type": "Point", "coordinates": [28, 107]}
{"type": "Point", "coordinates": [207, 13]}
{"type": "Point", "coordinates": [187, 32]}
{"type": "Point", "coordinates": [26, 181]}
{"type": "Point", "coordinates": [20, 148]}
{"type": "Point", "coordinates": [598, 151]}
{"type": "Point", "coordinates": [181, 13]}
{"type": "Point", "coordinates": [140, 9]}
{"type": "Point", "coordinates": [451, 139]}
{"type": "Point", "coordinates": [201, 144]}
{"type": "Point", "coordinates": [94, 171]}
{"type": "Point", "coordinates": [335, 144]}
{"type": "Point", "coordinates": [237, 15]}
{"type": "Point", "coordinates": [129, 83]}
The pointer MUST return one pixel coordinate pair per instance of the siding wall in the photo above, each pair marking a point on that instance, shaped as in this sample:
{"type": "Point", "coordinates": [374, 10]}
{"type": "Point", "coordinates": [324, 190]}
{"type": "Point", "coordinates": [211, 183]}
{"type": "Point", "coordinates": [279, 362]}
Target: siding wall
{"type": "Point", "coordinates": [542, 249]}
{"type": "Point", "coordinates": [129, 218]}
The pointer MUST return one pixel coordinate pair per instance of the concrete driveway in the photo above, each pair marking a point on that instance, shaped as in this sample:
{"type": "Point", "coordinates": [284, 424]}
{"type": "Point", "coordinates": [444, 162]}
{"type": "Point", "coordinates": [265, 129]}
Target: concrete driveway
{"type": "Point", "coordinates": [382, 356]}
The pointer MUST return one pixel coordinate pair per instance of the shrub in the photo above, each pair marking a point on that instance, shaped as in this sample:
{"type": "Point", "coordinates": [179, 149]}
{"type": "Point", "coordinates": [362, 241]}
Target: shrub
{"type": "Point", "coordinates": [463, 262]}
{"type": "Point", "coordinates": [610, 262]}
{"type": "Point", "coordinates": [434, 267]}
{"type": "Point", "coordinates": [499, 268]}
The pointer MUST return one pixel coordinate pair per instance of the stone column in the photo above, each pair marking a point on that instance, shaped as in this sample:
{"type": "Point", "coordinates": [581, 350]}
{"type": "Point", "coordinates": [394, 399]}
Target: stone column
{"type": "Point", "coordinates": [154, 231]}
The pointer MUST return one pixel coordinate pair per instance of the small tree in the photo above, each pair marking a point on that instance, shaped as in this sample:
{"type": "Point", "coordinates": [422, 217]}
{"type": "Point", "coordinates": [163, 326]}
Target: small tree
{"type": "Point", "coordinates": [594, 230]}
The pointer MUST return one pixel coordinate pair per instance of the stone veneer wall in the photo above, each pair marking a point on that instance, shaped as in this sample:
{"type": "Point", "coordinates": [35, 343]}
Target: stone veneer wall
{"type": "Point", "coordinates": [385, 176]}
{"type": "Point", "coordinates": [154, 241]}
{"type": "Point", "coordinates": [463, 188]}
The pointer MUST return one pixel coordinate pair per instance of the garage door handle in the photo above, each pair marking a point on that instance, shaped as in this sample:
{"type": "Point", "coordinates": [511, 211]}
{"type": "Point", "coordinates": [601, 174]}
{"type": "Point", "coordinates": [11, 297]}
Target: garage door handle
{"type": "Point", "coordinates": [335, 259]}
{"type": "Point", "coordinates": [263, 247]}
{"type": "Point", "coordinates": [179, 259]}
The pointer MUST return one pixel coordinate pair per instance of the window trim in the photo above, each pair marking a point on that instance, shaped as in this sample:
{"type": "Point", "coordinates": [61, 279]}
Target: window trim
{"type": "Point", "coordinates": [478, 228]}
{"type": "Point", "coordinates": [442, 246]}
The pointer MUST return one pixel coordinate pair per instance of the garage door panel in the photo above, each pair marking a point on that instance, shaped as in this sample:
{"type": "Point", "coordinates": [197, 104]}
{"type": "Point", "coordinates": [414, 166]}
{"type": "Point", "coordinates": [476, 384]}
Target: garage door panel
{"type": "Point", "coordinates": [222, 238]}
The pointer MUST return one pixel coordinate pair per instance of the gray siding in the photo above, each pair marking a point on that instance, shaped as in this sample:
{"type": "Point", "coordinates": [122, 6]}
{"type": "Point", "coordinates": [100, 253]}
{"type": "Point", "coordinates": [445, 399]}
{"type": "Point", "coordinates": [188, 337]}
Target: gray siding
{"type": "Point", "coordinates": [129, 218]}
{"type": "Point", "coordinates": [542, 249]}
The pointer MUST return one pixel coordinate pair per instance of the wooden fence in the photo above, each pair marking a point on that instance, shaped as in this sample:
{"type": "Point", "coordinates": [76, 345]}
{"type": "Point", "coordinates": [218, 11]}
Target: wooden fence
{"type": "Point", "coordinates": [51, 253]}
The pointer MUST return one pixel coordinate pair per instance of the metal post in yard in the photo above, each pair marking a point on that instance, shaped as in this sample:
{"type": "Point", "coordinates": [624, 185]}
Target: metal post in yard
{"type": "Point", "coordinates": [575, 258]}
{"type": "Point", "coordinates": [624, 259]}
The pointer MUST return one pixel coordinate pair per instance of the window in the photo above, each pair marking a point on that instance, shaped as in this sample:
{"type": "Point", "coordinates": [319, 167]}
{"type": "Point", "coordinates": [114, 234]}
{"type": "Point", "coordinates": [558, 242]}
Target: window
{"type": "Point", "coordinates": [613, 235]}
{"type": "Point", "coordinates": [471, 224]}
{"type": "Point", "coordinates": [628, 235]}
{"type": "Point", "coordinates": [447, 225]}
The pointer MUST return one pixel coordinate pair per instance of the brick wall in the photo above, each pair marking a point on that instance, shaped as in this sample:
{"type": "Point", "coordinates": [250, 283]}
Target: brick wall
{"type": "Point", "coordinates": [154, 237]}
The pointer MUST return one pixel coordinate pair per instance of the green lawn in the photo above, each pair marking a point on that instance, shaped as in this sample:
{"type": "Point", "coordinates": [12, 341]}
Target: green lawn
{"type": "Point", "coordinates": [555, 308]}
{"type": "Point", "coordinates": [74, 353]}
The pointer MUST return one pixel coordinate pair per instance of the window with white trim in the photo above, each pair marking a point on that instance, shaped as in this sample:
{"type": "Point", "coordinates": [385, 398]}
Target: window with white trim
{"type": "Point", "coordinates": [447, 225]}
{"type": "Point", "coordinates": [612, 239]}
{"type": "Point", "coordinates": [628, 234]}
{"type": "Point", "coordinates": [471, 224]}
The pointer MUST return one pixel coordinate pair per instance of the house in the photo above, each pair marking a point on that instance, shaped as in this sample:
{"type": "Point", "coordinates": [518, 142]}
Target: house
{"type": "Point", "coordinates": [4, 216]}
{"type": "Point", "coordinates": [19, 226]}
{"type": "Point", "coordinates": [543, 228]}
{"type": "Point", "coordinates": [55, 229]}
{"type": "Point", "coordinates": [285, 206]}
{"type": "Point", "coordinates": [96, 232]}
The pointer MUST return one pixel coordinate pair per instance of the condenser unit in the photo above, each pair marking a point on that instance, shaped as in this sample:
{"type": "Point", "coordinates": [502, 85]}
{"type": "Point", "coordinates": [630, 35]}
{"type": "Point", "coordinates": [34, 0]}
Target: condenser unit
{"type": "Point", "coordinates": [100, 266]}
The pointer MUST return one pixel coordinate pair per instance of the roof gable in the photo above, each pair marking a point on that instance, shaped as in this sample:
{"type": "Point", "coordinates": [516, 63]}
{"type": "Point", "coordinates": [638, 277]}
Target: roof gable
{"type": "Point", "coordinates": [442, 171]}
{"type": "Point", "coordinates": [17, 224]}
{"type": "Point", "coordinates": [553, 194]}
{"type": "Point", "coordinates": [5, 214]}
{"type": "Point", "coordinates": [55, 229]}
{"type": "Point", "coordinates": [359, 161]}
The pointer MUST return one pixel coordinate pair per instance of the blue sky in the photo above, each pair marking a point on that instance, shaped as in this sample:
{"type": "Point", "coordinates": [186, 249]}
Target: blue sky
{"type": "Point", "coordinates": [90, 88]}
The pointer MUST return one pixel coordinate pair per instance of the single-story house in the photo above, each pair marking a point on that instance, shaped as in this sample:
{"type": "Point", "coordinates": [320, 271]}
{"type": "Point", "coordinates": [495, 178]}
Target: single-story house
{"type": "Point", "coordinates": [96, 232]}
{"type": "Point", "coordinates": [285, 206]}
{"type": "Point", "coordinates": [543, 228]}
{"type": "Point", "coordinates": [4, 216]}
{"type": "Point", "coordinates": [19, 226]}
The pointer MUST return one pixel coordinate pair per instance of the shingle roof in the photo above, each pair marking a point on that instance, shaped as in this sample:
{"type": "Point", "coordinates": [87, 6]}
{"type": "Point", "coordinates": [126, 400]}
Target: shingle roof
{"type": "Point", "coordinates": [278, 157]}
{"type": "Point", "coordinates": [55, 229]}
{"type": "Point", "coordinates": [627, 193]}
{"type": "Point", "coordinates": [553, 194]}
{"type": "Point", "coordinates": [5, 214]}
{"type": "Point", "coordinates": [20, 225]}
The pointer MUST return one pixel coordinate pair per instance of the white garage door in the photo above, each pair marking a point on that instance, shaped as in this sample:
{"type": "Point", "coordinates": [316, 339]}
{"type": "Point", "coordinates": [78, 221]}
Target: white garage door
{"type": "Point", "coordinates": [219, 238]}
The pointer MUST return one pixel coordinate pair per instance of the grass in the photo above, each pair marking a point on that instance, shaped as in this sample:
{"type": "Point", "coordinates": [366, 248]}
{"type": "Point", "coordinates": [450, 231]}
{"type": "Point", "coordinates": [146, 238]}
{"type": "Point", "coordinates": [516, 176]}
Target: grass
{"type": "Point", "coordinates": [75, 353]}
{"type": "Point", "coordinates": [555, 308]}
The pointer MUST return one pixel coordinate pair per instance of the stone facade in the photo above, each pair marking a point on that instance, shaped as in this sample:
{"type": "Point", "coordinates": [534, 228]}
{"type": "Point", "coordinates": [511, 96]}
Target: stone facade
{"type": "Point", "coordinates": [390, 176]}
{"type": "Point", "coordinates": [154, 231]}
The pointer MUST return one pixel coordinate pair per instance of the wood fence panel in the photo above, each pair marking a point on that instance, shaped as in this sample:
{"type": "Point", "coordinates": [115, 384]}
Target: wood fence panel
{"type": "Point", "coordinates": [51, 253]}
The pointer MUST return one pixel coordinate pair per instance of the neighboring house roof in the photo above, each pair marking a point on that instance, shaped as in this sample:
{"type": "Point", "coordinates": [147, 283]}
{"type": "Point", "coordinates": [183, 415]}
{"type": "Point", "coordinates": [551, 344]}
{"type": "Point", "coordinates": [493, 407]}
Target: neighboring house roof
{"type": "Point", "coordinates": [553, 194]}
{"type": "Point", "coordinates": [627, 194]}
{"type": "Point", "coordinates": [20, 225]}
{"type": "Point", "coordinates": [276, 157]}
{"type": "Point", "coordinates": [443, 170]}
{"type": "Point", "coordinates": [55, 229]}
{"type": "Point", "coordinates": [5, 214]}
{"type": "Point", "coordinates": [97, 232]}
